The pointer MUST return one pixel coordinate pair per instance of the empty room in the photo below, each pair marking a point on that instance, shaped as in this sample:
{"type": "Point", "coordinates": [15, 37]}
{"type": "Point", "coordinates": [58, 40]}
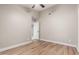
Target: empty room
{"type": "Point", "coordinates": [39, 29]}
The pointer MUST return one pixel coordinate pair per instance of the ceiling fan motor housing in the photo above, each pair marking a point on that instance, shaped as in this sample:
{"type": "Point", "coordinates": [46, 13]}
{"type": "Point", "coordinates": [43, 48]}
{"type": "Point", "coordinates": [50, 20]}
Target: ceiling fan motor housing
{"type": "Point", "coordinates": [40, 5]}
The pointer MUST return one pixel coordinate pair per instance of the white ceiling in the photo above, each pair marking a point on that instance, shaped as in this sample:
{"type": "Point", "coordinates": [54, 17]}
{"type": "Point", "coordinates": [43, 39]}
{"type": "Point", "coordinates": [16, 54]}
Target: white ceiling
{"type": "Point", "coordinates": [37, 6]}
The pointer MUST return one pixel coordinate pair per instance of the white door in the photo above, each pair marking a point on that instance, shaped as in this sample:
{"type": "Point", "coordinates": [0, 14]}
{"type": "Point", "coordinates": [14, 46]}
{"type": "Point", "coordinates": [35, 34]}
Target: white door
{"type": "Point", "coordinates": [35, 33]}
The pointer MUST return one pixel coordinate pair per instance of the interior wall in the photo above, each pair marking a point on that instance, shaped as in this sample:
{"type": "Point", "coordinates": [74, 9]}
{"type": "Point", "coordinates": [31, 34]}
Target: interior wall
{"type": "Point", "coordinates": [59, 24]}
{"type": "Point", "coordinates": [78, 29]}
{"type": "Point", "coordinates": [15, 25]}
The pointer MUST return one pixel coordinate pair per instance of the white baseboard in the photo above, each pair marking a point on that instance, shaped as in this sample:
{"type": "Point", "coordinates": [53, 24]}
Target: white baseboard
{"type": "Point", "coordinates": [24, 43]}
{"type": "Point", "coordinates": [59, 43]}
{"type": "Point", "coordinates": [14, 46]}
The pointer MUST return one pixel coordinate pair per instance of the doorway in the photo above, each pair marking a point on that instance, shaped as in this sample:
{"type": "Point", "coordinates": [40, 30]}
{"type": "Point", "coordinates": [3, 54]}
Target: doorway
{"type": "Point", "coordinates": [35, 29]}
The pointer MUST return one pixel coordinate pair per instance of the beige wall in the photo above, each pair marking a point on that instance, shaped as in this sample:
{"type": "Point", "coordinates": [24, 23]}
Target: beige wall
{"type": "Point", "coordinates": [15, 25]}
{"type": "Point", "coordinates": [61, 25]}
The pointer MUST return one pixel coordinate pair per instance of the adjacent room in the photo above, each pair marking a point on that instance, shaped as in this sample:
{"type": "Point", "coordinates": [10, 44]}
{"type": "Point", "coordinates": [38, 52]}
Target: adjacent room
{"type": "Point", "coordinates": [39, 29]}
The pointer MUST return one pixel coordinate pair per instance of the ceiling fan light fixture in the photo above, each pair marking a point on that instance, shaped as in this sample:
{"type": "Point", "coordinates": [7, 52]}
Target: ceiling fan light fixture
{"type": "Point", "coordinates": [42, 5]}
{"type": "Point", "coordinates": [33, 6]}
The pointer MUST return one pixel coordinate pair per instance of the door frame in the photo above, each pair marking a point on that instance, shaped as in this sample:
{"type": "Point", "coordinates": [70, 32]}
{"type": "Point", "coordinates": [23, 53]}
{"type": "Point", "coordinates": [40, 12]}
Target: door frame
{"type": "Point", "coordinates": [33, 19]}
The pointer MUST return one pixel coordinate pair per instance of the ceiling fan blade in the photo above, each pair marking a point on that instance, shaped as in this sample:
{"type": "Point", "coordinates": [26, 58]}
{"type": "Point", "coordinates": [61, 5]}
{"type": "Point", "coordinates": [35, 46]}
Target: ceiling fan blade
{"type": "Point", "coordinates": [33, 6]}
{"type": "Point", "coordinates": [42, 5]}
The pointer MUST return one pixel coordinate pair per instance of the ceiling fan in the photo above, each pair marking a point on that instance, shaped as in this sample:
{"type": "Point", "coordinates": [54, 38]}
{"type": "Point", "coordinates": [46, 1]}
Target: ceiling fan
{"type": "Point", "coordinates": [39, 4]}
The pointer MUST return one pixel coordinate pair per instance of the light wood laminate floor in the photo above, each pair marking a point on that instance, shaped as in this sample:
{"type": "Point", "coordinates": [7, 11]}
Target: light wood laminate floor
{"type": "Point", "coordinates": [41, 48]}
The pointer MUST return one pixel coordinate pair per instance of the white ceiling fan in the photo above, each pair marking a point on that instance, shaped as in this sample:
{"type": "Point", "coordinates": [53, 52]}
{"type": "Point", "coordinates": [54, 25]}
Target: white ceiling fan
{"type": "Point", "coordinates": [41, 5]}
